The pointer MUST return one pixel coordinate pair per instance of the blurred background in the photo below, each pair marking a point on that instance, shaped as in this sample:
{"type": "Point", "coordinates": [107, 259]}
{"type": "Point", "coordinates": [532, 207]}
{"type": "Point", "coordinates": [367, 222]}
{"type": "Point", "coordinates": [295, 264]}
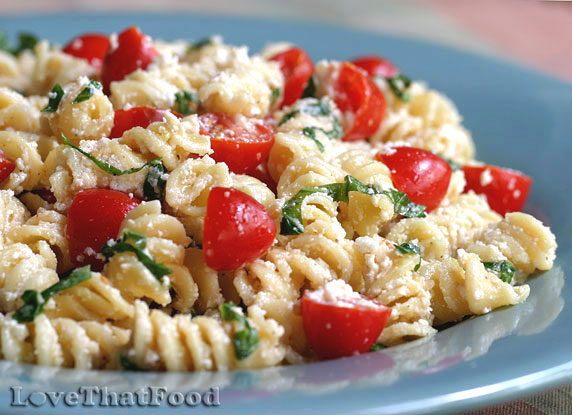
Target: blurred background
{"type": "Point", "coordinates": [534, 32]}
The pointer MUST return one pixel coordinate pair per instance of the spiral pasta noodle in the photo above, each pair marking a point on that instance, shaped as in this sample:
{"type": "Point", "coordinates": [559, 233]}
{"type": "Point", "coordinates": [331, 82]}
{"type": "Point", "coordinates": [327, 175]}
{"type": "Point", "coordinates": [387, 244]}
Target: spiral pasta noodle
{"type": "Point", "coordinates": [62, 342]}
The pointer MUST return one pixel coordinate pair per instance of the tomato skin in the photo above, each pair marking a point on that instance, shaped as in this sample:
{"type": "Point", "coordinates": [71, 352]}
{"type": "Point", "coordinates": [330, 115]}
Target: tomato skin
{"type": "Point", "coordinates": [242, 146]}
{"type": "Point", "coordinates": [7, 166]}
{"type": "Point", "coordinates": [237, 229]}
{"type": "Point", "coordinates": [90, 46]}
{"type": "Point", "coordinates": [136, 117]}
{"type": "Point", "coordinates": [297, 68]}
{"type": "Point", "coordinates": [134, 51]}
{"type": "Point", "coordinates": [423, 176]}
{"type": "Point", "coordinates": [261, 173]}
{"type": "Point", "coordinates": [357, 93]}
{"type": "Point", "coordinates": [376, 66]}
{"type": "Point", "coordinates": [507, 190]}
{"type": "Point", "coordinates": [94, 218]}
{"type": "Point", "coordinates": [335, 331]}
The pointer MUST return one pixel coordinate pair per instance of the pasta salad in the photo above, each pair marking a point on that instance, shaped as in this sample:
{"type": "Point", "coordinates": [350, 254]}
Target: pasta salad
{"type": "Point", "coordinates": [186, 206]}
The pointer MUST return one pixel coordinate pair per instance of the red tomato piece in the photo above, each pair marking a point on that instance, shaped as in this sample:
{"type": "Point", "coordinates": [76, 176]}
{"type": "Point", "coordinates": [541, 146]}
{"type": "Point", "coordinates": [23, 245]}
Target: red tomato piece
{"type": "Point", "coordinates": [506, 189]}
{"type": "Point", "coordinates": [94, 218]}
{"type": "Point", "coordinates": [136, 117]}
{"type": "Point", "coordinates": [91, 46]}
{"type": "Point", "coordinates": [297, 68]}
{"type": "Point", "coordinates": [376, 66]}
{"type": "Point", "coordinates": [7, 166]}
{"type": "Point", "coordinates": [134, 51]}
{"type": "Point", "coordinates": [346, 327]}
{"type": "Point", "coordinates": [242, 144]}
{"type": "Point", "coordinates": [358, 94]}
{"type": "Point", "coordinates": [423, 176]}
{"type": "Point", "coordinates": [237, 229]}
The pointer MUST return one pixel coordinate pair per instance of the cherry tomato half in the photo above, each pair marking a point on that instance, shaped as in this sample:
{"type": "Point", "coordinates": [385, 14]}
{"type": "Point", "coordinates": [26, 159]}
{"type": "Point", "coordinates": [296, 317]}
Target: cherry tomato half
{"type": "Point", "coordinates": [91, 46]}
{"type": "Point", "coordinates": [506, 189]}
{"type": "Point", "coordinates": [261, 173]}
{"type": "Point", "coordinates": [342, 330]}
{"type": "Point", "coordinates": [94, 218]}
{"type": "Point", "coordinates": [358, 94]}
{"type": "Point", "coordinates": [376, 66]}
{"type": "Point", "coordinates": [242, 144]}
{"type": "Point", "coordinates": [423, 176]}
{"type": "Point", "coordinates": [136, 117]}
{"type": "Point", "coordinates": [297, 68]}
{"type": "Point", "coordinates": [237, 229]}
{"type": "Point", "coordinates": [7, 166]}
{"type": "Point", "coordinates": [134, 51]}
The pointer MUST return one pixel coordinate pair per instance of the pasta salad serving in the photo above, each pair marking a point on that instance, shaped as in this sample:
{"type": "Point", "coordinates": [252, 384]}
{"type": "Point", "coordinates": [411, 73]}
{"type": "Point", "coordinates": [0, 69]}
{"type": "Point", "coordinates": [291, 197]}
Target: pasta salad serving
{"type": "Point", "coordinates": [186, 206]}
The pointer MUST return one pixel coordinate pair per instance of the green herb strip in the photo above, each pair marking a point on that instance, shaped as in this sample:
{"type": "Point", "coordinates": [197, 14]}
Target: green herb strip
{"type": "Point", "coordinates": [56, 95]}
{"type": "Point", "coordinates": [87, 92]}
{"type": "Point", "coordinates": [106, 167]}
{"type": "Point", "coordinates": [319, 108]}
{"type": "Point", "coordinates": [245, 340]}
{"type": "Point", "coordinates": [201, 43]}
{"type": "Point", "coordinates": [310, 89]}
{"type": "Point", "coordinates": [128, 364]}
{"type": "Point", "coordinates": [26, 41]}
{"type": "Point", "coordinates": [409, 248]}
{"type": "Point", "coordinates": [376, 347]}
{"type": "Point", "coordinates": [292, 223]}
{"type": "Point", "coordinates": [154, 186]}
{"type": "Point", "coordinates": [274, 96]}
{"type": "Point", "coordinates": [136, 242]}
{"type": "Point", "coordinates": [503, 269]}
{"type": "Point", "coordinates": [34, 302]}
{"type": "Point", "coordinates": [398, 85]}
{"type": "Point", "coordinates": [183, 99]}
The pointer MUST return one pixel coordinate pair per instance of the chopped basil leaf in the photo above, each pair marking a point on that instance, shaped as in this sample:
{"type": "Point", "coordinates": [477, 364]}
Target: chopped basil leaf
{"type": "Point", "coordinates": [376, 347]}
{"type": "Point", "coordinates": [319, 108]}
{"type": "Point", "coordinates": [504, 269]}
{"type": "Point", "coordinates": [245, 340]}
{"type": "Point", "coordinates": [127, 364]}
{"type": "Point", "coordinates": [25, 41]}
{"type": "Point", "coordinates": [409, 248]}
{"type": "Point", "coordinates": [5, 43]}
{"type": "Point", "coordinates": [55, 95]}
{"type": "Point", "coordinates": [87, 92]}
{"type": "Point", "coordinates": [398, 85]}
{"type": "Point", "coordinates": [275, 96]}
{"type": "Point", "coordinates": [182, 101]}
{"type": "Point", "coordinates": [154, 186]}
{"type": "Point", "coordinates": [454, 165]}
{"type": "Point", "coordinates": [292, 223]}
{"type": "Point", "coordinates": [201, 43]}
{"type": "Point", "coordinates": [310, 90]}
{"type": "Point", "coordinates": [136, 242]}
{"type": "Point", "coordinates": [404, 206]}
{"type": "Point", "coordinates": [34, 302]}
{"type": "Point", "coordinates": [106, 167]}
{"type": "Point", "coordinates": [310, 132]}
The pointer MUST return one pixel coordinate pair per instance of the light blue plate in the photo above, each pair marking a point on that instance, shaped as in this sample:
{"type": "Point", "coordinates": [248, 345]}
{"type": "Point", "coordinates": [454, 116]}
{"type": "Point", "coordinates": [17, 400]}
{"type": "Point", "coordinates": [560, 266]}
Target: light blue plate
{"type": "Point", "coordinates": [518, 118]}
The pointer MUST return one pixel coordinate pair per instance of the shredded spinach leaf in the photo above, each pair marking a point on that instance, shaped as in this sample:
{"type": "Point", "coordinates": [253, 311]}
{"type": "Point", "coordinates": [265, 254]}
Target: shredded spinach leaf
{"type": "Point", "coordinates": [136, 242]}
{"type": "Point", "coordinates": [106, 167]}
{"type": "Point", "coordinates": [246, 340]}
{"type": "Point", "coordinates": [310, 89]}
{"type": "Point", "coordinates": [376, 347]}
{"type": "Point", "coordinates": [503, 269]}
{"type": "Point", "coordinates": [87, 92]}
{"type": "Point", "coordinates": [183, 99]}
{"type": "Point", "coordinates": [409, 248]}
{"type": "Point", "coordinates": [34, 302]}
{"type": "Point", "coordinates": [398, 85]}
{"type": "Point", "coordinates": [154, 186]}
{"type": "Point", "coordinates": [128, 364]}
{"type": "Point", "coordinates": [292, 223]}
{"type": "Point", "coordinates": [55, 95]}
